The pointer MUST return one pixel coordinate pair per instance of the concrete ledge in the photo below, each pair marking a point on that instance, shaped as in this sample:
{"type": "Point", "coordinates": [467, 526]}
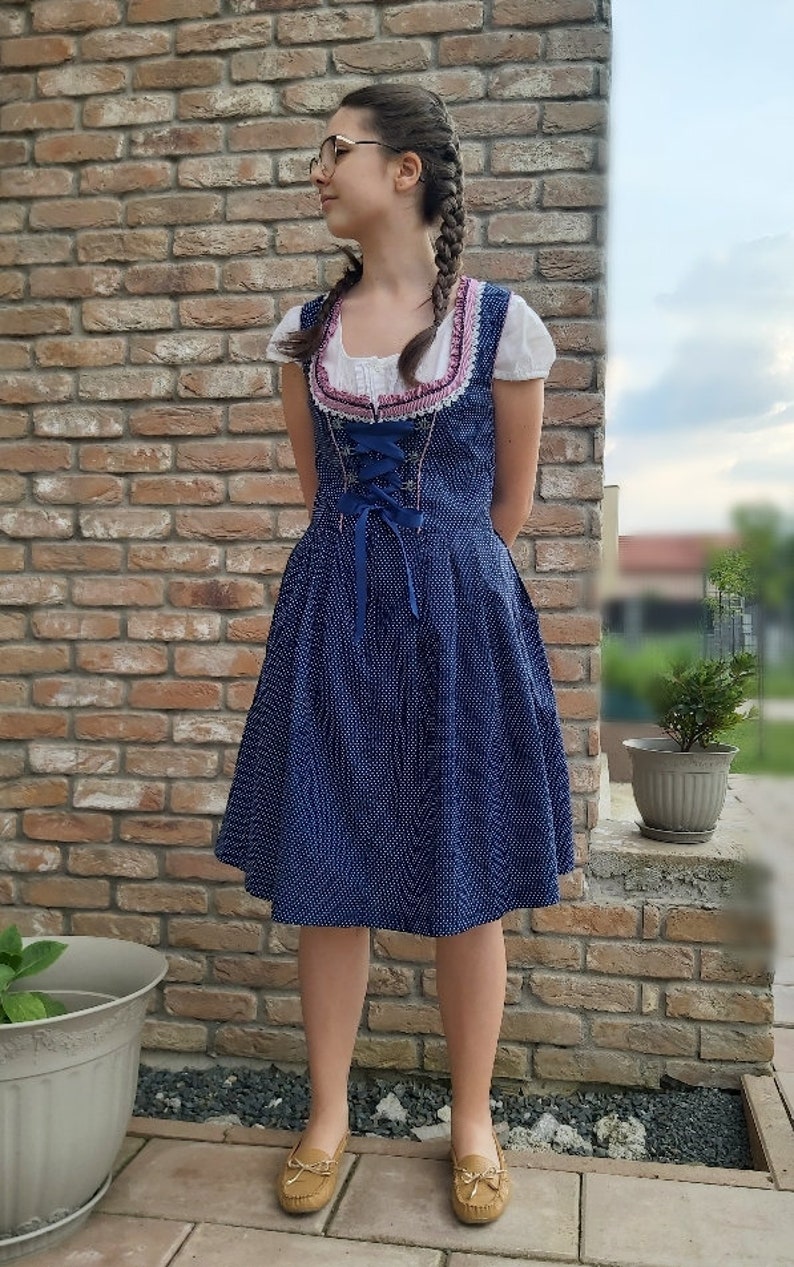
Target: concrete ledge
{"type": "Point", "coordinates": [729, 869]}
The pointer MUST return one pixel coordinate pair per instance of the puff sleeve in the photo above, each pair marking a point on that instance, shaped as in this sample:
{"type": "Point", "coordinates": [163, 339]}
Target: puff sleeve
{"type": "Point", "coordinates": [289, 322]}
{"type": "Point", "coordinates": [525, 346]}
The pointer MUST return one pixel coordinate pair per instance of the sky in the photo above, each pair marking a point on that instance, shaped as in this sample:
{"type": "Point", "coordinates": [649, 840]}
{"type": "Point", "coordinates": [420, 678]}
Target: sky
{"type": "Point", "coordinates": [700, 267]}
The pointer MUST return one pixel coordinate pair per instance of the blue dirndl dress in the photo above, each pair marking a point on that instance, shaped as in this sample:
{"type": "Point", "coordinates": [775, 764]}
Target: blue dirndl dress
{"type": "Point", "coordinates": [402, 765]}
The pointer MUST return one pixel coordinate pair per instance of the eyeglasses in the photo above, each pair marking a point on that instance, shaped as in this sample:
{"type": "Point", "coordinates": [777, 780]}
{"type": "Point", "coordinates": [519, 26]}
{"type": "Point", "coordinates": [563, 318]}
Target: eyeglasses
{"type": "Point", "coordinates": [337, 144]}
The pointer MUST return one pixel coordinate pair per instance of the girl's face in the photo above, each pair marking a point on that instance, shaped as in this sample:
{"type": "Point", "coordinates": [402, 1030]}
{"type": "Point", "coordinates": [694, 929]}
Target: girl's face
{"type": "Point", "coordinates": [359, 194]}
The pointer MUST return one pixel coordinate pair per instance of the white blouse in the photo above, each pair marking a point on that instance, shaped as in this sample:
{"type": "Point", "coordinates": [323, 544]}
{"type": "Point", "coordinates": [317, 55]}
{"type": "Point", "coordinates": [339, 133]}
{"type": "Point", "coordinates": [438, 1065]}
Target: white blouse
{"type": "Point", "coordinates": [525, 350]}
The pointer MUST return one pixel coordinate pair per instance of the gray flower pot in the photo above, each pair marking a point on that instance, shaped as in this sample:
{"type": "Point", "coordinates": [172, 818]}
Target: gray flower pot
{"type": "Point", "coordinates": [67, 1088]}
{"type": "Point", "coordinates": [680, 795]}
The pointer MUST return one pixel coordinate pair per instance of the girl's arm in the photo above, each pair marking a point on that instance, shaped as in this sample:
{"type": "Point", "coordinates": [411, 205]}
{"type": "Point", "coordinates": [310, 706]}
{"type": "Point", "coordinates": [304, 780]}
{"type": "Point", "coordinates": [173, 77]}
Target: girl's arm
{"type": "Point", "coordinates": [297, 415]}
{"type": "Point", "coordinates": [518, 418]}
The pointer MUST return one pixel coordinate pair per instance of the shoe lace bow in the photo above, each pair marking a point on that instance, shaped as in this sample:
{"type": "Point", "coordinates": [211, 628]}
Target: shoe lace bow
{"type": "Point", "coordinates": [321, 1167]}
{"type": "Point", "coordinates": [490, 1175]}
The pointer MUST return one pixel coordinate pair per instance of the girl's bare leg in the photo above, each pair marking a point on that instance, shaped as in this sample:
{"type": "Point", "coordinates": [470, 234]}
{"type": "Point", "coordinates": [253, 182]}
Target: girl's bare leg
{"type": "Point", "coordinates": [333, 968]}
{"type": "Point", "coordinates": [471, 977]}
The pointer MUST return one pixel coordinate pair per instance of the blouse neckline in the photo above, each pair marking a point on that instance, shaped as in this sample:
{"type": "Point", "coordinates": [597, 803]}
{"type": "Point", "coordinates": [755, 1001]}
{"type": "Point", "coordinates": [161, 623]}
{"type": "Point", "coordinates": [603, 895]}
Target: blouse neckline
{"type": "Point", "coordinates": [413, 400]}
{"type": "Point", "coordinates": [393, 356]}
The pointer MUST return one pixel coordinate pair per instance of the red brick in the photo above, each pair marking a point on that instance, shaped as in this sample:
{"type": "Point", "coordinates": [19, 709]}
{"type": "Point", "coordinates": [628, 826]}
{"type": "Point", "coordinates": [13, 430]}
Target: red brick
{"type": "Point", "coordinates": [162, 897]}
{"type": "Point", "coordinates": [71, 759]}
{"type": "Point", "coordinates": [168, 694]}
{"type": "Point", "coordinates": [188, 864]}
{"type": "Point", "coordinates": [198, 797]}
{"type": "Point", "coordinates": [591, 919]}
{"type": "Point", "coordinates": [67, 826]}
{"type": "Point", "coordinates": [577, 991]}
{"type": "Point", "coordinates": [75, 556]}
{"type": "Point", "coordinates": [75, 625]}
{"type": "Point", "coordinates": [208, 934]}
{"type": "Point", "coordinates": [210, 1004]}
{"type": "Point", "coordinates": [749, 928]}
{"type": "Point", "coordinates": [118, 793]}
{"type": "Point", "coordinates": [24, 792]}
{"type": "Point", "coordinates": [637, 959]}
{"type": "Point", "coordinates": [723, 1043]}
{"type": "Point", "coordinates": [173, 1036]}
{"type": "Point", "coordinates": [37, 50]}
{"type": "Point", "coordinates": [31, 116]}
{"type": "Point", "coordinates": [171, 418]}
{"type": "Point", "coordinates": [139, 864]}
{"type": "Point", "coordinates": [74, 692]}
{"type": "Point", "coordinates": [104, 658]}
{"type": "Point", "coordinates": [254, 970]}
{"type": "Point", "coordinates": [34, 659]}
{"type": "Point", "coordinates": [614, 1067]}
{"type": "Point", "coordinates": [175, 558]}
{"type": "Point", "coordinates": [18, 725]}
{"type": "Point", "coordinates": [107, 591]}
{"type": "Point", "coordinates": [164, 626]}
{"type": "Point", "coordinates": [63, 891]}
{"type": "Point", "coordinates": [140, 928]}
{"type": "Point", "coordinates": [220, 595]}
{"type": "Point", "coordinates": [174, 492]}
{"type": "Point", "coordinates": [127, 727]}
{"type": "Point", "coordinates": [173, 762]}
{"type": "Point", "coordinates": [30, 858]}
{"type": "Point", "coordinates": [719, 1003]}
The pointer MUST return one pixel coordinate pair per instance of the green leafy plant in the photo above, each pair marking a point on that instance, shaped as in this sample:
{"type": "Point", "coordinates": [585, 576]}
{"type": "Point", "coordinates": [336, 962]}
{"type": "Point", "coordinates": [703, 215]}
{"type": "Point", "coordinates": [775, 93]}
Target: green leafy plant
{"type": "Point", "coordinates": [16, 962]}
{"type": "Point", "coordinates": [697, 700]}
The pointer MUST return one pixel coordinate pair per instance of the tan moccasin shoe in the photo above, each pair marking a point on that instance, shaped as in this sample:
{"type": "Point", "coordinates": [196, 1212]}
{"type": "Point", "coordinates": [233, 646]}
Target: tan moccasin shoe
{"type": "Point", "coordinates": [480, 1190]}
{"type": "Point", "coordinates": [308, 1178]}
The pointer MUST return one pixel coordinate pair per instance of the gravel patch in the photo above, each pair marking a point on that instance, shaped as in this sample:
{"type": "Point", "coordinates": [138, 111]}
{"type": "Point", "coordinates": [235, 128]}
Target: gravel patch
{"type": "Point", "coordinates": [678, 1123]}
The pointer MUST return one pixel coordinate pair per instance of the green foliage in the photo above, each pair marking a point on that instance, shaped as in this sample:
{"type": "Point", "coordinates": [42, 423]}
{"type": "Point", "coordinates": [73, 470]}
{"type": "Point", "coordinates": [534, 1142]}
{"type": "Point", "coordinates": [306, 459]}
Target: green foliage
{"type": "Point", "coordinates": [17, 961]}
{"type": "Point", "coordinates": [626, 672]}
{"type": "Point", "coordinates": [696, 701]}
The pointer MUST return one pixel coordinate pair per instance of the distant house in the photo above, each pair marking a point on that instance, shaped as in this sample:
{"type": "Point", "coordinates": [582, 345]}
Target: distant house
{"type": "Point", "coordinates": [654, 582]}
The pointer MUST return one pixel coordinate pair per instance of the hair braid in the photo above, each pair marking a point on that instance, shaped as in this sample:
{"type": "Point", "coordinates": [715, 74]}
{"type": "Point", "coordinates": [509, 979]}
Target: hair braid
{"type": "Point", "coordinates": [448, 249]}
{"type": "Point", "coordinates": [302, 344]}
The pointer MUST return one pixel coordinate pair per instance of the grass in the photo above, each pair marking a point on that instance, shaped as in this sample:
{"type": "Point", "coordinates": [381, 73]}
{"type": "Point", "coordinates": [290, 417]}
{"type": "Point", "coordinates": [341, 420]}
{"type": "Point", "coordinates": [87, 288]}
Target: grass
{"type": "Point", "coordinates": [778, 756]}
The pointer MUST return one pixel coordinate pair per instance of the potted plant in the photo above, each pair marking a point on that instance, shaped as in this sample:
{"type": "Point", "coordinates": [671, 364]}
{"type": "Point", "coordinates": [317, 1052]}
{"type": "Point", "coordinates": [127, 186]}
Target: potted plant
{"type": "Point", "coordinates": [680, 780]}
{"type": "Point", "coordinates": [69, 1056]}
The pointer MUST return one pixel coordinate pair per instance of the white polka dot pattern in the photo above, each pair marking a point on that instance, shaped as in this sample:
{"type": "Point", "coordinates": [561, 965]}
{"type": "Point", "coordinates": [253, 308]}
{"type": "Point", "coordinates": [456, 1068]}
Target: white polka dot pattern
{"type": "Point", "coordinates": [406, 772]}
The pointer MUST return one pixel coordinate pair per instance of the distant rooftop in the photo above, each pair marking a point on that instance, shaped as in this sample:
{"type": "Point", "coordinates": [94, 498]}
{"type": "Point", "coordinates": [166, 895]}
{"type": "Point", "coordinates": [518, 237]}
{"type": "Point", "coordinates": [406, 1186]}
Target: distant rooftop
{"type": "Point", "coordinates": [670, 552]}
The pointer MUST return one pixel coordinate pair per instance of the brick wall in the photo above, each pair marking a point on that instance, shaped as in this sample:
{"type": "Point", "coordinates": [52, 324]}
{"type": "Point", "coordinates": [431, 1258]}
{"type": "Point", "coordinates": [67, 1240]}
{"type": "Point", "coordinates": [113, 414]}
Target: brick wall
{"type": "Point", "coordinates": [156, 222]}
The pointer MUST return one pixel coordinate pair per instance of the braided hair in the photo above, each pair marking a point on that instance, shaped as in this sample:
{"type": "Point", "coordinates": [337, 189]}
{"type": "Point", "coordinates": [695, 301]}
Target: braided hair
{"type": "Point", "coordinates": [410, 118]}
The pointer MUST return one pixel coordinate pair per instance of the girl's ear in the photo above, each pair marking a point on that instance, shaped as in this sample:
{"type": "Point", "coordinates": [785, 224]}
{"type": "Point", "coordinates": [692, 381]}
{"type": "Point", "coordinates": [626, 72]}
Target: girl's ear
{"type": "Point", "coordinates": [409, 170]}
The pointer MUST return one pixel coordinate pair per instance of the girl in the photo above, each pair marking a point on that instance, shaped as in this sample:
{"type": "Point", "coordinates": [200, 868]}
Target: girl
{"type": "Point", "coordinates": [402, 764]}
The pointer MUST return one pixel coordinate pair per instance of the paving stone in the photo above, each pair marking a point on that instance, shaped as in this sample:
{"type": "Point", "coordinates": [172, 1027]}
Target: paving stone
{"type": "Point", "coordinates": [488, 1260]}
{"type": "Point", "coordinates": [786, 1083]}
{"type": "Point", "coordinates": [783, 1059]}
{"type": "Point", "coordinates": [217, 1246]}
{"type": "Point", "coordinates": [784, 1005]}
{"type": "Point", "coordinates": [644, 1223]}
{"type": "Point", "coordinates": [208, 1183]}
{"type": "Point", "coordinates": [107, 1240]}
{"type": "Point", "coordinates": [407, 1201]}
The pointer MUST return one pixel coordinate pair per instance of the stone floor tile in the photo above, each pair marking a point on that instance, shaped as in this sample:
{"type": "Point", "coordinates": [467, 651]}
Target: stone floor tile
{"type": "Point", "coordinates": [489, 1260]}
{"type": "Point", "coordinates": [109, 1240]}
{"type": "Point", "coordinates": [630, 1222]}
{"type": "Point", "coordinates": [406, 1201]}
{"type": "Point", "coordinates": [784, 970]}
{"type": "Point", "coordinates": [784, 1005]}
{"type": "Point", "coordinates": [783, 1058]}
{"type": "Point", "coordinates": [217, 1246]}
{"type": "Point", "coordinates": [209, 1183]}
{"type": "Point", "coordinates": [130, 1148]}
{"type": "Point", "coordinates": [786, 1083]}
